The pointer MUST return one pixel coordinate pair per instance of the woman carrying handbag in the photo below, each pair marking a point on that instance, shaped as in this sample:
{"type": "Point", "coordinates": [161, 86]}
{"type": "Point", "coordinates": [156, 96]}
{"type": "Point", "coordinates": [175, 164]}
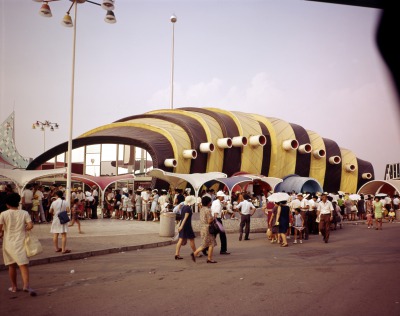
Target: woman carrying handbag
{"type": "Point", "coordinates": [13, 225]}
{"type": "Point", "coordinates": [58, 206]}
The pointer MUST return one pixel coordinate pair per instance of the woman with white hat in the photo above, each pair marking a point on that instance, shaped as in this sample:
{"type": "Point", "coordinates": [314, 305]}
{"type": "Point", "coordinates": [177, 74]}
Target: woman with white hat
{"type": "Point", "coordinates": [185, 228]}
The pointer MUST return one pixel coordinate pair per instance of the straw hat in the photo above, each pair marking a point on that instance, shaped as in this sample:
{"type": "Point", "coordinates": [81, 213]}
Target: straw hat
{"type": "Point", "coordinates": [190, 200]}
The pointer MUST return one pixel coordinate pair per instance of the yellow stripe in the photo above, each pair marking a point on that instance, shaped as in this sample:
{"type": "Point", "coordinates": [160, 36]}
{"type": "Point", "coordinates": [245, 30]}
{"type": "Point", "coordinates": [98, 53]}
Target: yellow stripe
{"type": "Point", "coordinates": [282, 162]}
{"type": "Point", "coordinates": [317, 166]}
{"type": "Point", "coordinates": [252, 157]}
{"type": "Point", "coordinates": [348, 182]}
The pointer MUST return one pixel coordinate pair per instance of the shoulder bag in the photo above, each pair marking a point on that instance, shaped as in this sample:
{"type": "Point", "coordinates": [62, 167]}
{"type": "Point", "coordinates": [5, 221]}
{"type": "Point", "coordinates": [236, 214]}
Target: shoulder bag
{"type": "Point", "coordinates": [63, 216]}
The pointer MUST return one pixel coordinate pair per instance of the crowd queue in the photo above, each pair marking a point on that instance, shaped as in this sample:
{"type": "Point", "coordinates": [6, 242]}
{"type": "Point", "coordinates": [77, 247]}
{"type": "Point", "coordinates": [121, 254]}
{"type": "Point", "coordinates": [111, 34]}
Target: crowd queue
{"type": "Point", "coordinates": [298, 215]}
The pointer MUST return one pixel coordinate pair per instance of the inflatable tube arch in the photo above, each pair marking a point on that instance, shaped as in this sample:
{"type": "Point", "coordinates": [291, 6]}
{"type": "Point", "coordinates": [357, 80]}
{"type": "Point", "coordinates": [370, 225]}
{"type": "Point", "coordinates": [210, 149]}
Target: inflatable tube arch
{"type": "Point", "coordinates": [230, 142]}
{"type": "Point", "coordinates": [297, 184]}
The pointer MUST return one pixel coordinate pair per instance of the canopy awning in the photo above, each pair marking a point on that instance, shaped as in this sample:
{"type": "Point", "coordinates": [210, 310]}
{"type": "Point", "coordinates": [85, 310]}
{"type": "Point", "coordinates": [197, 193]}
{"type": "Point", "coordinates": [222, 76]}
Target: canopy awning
{"type": "Point", "coordinates": [196, 180]}
{"type": "Point", "coordinates": [22, 177]}
{"type": "Point", "coordinates": [380, 186]}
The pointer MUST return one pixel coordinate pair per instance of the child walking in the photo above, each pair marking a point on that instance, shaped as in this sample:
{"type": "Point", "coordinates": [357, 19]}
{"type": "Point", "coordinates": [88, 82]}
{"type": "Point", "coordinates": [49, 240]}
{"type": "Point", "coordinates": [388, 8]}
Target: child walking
{"type": "Point", "coordinates": [370, 222]}
{"type": "Point", "coordinates": [298, 225]}
{"type": "Point", "coordinates": [76, 211]}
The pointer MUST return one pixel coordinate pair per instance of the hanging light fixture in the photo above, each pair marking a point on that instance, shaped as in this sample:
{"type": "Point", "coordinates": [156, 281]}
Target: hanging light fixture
{"type": "Point", "coordinates": [110, 17]}
{"type": "Point", "coordinates": [45, 10]}
{"type": "Point", "coordinates": [67, 21]}
{"type": "Point", "coordinates": [108, 5]}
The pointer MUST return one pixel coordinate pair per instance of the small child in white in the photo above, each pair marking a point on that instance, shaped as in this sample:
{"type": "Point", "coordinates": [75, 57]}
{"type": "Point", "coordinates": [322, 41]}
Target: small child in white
{"type": "Point", "coordinates": [298, 225]}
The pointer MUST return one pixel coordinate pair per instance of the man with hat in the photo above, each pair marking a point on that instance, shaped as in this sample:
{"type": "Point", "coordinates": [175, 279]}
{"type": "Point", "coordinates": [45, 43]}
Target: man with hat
{"type": "Point", "coordinates": [216, 212]}
{"type": "Point", "coordinates": [325, 210]}
{"type": "Point", "coordinates": [95, 195]}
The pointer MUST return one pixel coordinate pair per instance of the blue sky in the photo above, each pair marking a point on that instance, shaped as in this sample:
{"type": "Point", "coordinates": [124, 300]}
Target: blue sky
{"type": "Point", "coordinates": [309, 63]}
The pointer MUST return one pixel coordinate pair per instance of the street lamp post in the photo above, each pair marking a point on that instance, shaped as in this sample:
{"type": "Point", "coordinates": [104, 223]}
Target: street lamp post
{"type": "Point", "coordinates": [45, 11]}
{"type": "Point", "coordinates": [173, 19]}
{"type": "Point", "coordinates": [42, 126]}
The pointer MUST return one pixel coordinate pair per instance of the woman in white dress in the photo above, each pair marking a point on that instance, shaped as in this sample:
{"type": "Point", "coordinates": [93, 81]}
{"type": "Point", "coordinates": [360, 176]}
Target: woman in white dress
{"type": "Point", "coordinates": [57, 228]}
{"type": "Point", "coordinates": [13, 225]}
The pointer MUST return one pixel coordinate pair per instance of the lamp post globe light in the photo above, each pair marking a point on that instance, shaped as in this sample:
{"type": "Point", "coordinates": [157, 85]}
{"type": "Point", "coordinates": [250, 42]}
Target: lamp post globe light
{"type": "Point", "coordinates": [42, 127]}
{"type": "Point", "coordinates": [45, 11]}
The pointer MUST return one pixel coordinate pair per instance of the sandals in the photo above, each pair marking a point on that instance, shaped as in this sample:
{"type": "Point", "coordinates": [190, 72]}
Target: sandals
{"type": "Point", "coordinates": [66, 251]}
{"type": "Point", "coordinates": [284, 245]}
{"type": "Point", "coordinates": [58, 250]}
{"type": "Point", "coordinates": [178, 257]}
{"type": "Point", "coordinates": [193, 257]}
{"type": "Point", "coordinates": [211, 261]}
{"type": "Point", "coordinates": [12, 290]}
{"type": "Point", "coordinates": [31, 291]}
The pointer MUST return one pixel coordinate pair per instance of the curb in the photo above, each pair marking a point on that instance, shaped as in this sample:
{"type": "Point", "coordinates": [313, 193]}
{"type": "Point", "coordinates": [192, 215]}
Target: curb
{"type": "Point", "coordinates": [86, 254]}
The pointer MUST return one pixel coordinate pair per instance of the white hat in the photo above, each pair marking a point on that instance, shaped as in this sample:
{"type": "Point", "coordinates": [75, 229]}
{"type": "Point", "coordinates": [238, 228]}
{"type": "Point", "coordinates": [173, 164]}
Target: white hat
{"type": "Point", "coordinates": [220, 193]}
{"type": "Point", "coordinates": [140, 188]}
{"type": "Point", "coordinates": [88, 193]}
{"type": "Point", "coordinates": [190, 200]}
{"type": "Point", "coordinates": [125, 190]}
{"type": "Point", "coordinates": [165, 204]}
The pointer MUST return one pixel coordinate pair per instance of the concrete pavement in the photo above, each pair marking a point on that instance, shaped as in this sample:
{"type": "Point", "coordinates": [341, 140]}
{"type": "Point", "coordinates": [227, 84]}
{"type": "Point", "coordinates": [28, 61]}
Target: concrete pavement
{"type": "Point", "coordinates": [106, 236]}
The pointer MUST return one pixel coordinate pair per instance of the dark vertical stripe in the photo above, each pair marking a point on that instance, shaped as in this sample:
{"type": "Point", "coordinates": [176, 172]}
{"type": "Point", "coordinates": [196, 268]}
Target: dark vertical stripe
{"type": "Point", "coordinates": [303, 161]}
{"type": "Point", "coordinates": [363, 167]}
{"type": "Point", "coordinates": [333, 173]}
{"type": "Point", "coordinates": [232, 156]}
{"type": "Point", "coordinates": [266, 150]}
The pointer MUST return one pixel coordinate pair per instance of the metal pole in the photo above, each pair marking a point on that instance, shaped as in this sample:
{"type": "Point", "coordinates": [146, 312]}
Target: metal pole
{"type": "Point", "coordinates": [44, 140]}
{"type": "Point", "coordinates": [71, 113]}
{"type": "Point", "coordinates": [173, 20]}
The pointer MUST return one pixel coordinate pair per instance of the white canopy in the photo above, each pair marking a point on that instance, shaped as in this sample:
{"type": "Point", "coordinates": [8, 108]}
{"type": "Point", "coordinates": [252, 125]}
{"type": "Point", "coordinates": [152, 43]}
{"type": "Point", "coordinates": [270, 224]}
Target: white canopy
{"type": "Point", "coordinates": [22, 177]}
{"type": "Point", "coordinates": [196, 180]}
{"type": "Point", "coordinates": [380, 186]}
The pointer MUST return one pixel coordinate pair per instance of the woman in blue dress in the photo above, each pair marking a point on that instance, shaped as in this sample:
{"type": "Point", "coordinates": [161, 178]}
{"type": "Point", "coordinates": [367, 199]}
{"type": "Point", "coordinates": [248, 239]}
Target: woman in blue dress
{"type": "Point", "coordinates": [282, 219]}
{"type": "Point", "coordinates": [185, 228]}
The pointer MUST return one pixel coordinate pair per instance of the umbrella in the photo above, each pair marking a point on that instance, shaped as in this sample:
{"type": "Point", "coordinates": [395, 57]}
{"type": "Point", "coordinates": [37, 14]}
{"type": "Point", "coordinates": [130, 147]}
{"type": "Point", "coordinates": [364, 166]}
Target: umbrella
{"type": "Point", "coordinates": [278, 197]}
{"type": "Point", "coordinates": [354, 197]}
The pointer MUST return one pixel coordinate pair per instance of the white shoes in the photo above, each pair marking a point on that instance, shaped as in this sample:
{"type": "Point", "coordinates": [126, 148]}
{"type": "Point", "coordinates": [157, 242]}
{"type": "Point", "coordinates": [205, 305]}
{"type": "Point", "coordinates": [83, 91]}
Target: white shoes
{"type": "Point", "coordinates": [301, 241]}
{"type": "Point", "coordinates": [295, 241]}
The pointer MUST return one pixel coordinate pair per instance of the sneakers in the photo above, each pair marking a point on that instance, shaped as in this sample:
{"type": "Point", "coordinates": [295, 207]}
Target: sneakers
{"type": "Point", "coordinates": [295, 241]}
{"type": "Point", "coordinates": [301, 241]}
{"type": "Point", "coordinates": [369, 227]}
{"type": "Point", "coordinates": [288, 237]}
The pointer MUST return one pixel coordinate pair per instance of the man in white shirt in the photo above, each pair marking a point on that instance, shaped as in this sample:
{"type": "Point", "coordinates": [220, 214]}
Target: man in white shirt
{"type": "Point", "coordinates": [95, 195]}
{"type": "Point", "coordinates": [216, 212]}
{"type": "Point", "coordinates": [145, 202]}
{"type": "Point", "coordinates": [247, 209]}
{"type": "Point", "coordinates": [26, 199]}
{"type": "Point", "coordinates": [396, 202]}
{"type": "Point", "coordinates": [325, 210]}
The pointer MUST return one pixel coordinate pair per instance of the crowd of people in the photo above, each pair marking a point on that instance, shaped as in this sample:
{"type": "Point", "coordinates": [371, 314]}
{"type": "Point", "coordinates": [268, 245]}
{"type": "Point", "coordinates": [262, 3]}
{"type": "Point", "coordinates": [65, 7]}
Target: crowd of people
{"type": "Point", "coordinates": [296, 216]}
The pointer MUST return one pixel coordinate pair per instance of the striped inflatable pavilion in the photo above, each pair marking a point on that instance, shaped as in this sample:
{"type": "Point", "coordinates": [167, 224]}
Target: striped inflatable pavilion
{"type": "Point", "coordinates": [198, 140]}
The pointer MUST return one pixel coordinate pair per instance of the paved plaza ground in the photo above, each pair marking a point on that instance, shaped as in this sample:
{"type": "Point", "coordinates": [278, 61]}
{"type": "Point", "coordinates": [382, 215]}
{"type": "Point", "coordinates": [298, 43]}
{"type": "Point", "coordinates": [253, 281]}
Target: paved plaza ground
{"type": "Point", "coordinates": [356, 273]}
